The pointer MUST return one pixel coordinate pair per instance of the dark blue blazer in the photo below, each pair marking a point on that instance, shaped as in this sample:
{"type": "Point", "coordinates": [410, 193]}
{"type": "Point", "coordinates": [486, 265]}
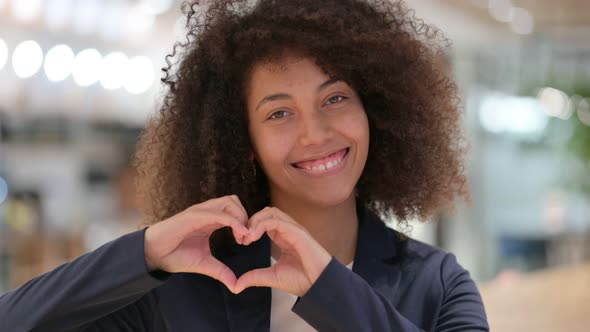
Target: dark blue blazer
{"type": "Point", "coordinates": [395, 285]}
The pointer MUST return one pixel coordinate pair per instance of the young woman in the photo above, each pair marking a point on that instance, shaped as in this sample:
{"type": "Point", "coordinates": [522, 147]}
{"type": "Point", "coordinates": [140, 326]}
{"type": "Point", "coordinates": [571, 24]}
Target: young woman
{"type": "Point", "coordinates": [288, 129]}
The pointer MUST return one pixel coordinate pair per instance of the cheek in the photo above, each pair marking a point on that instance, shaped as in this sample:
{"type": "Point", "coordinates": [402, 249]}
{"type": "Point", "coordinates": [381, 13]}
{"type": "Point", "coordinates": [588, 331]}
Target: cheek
{"type": "Point", "coordinates": [357, 127]}
{"type": "Point", "coordinates": [271, 148]}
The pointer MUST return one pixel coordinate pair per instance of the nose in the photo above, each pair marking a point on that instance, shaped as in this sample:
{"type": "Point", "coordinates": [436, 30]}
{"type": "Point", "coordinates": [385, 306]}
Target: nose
{"type": "Point", "coordinates": [314, 129]}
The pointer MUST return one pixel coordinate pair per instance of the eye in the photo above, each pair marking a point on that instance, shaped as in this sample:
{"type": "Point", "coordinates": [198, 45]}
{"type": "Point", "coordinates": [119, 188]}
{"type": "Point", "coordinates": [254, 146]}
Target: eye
{"type": "Point", "coordinates": [335, 99]}
{"type": "Point", "coordinates": [278, 115]}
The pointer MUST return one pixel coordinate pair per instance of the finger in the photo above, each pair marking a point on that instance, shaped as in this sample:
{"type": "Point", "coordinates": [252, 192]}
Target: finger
{"type": "Point", "coordinates": [259, 227]}
{"type": "Point", "coordinates": [235, 209]}
{"type": "Point", "coordinates": [214, 268]}
{"type": "Point", "coordinates": [294, 239]}
{"type": "Point", "coordinates": [238, 213]}
{"type": "Point", "coordinates": [272, 212]}
{"type": "Point", "coordinates": [254, 233]}
{"type": "Point", "coordinates": [265, 277]}
{"type": "Point", "coordinates": [210, 220]}
{"type": "Point", "coordinates": [281, 232]}
{"type": "Point", "coordinates": [262, 213]}
{"type": "Point", "coordinates": [236, 199]}
{"type": "Point", "coordinates": [267, 212]}
{"type": "Point", "coordinates": [230, 204]}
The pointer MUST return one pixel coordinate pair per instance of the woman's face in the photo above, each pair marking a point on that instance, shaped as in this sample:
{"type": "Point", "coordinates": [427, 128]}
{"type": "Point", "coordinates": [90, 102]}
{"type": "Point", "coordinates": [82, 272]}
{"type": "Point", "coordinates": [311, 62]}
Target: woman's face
{"type": "Point", "coordinates": [309, 132]}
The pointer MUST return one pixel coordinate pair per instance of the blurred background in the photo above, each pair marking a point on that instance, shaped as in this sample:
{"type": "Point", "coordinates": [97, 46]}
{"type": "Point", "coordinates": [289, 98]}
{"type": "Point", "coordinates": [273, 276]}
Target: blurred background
{"type": "Point", "coordinates": [78, 80]}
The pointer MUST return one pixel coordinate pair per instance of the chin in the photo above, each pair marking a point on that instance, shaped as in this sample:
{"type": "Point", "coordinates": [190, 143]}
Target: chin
{"type": "Point", "coordinates": [328, 199]}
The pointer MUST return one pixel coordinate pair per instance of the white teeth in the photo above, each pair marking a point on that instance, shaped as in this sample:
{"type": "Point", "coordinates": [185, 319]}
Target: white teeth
{"type": "Point", "coordinates": [329, 165]}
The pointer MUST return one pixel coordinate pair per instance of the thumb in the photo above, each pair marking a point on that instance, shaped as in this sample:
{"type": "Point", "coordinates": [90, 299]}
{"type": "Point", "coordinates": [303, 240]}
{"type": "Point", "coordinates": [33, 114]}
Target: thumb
{"type": "Point", "coordinates": [214, 268]}
{"type": "Point", "coordinates": [265, 277]}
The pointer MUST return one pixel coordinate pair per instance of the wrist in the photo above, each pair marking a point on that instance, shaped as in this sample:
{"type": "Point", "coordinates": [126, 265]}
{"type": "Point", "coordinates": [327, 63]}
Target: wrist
{"type": "Point", "coordinates": [149, 261]}
{"type": "Point", "coordinates": [315, 271]}
{"type": "Point", "coordinates": [320, 265]}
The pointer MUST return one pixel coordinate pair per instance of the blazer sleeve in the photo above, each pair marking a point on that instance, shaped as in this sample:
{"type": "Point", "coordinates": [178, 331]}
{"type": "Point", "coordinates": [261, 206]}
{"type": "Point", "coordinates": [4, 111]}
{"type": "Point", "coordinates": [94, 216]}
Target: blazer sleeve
{"type": "Point", "coordinates": [89, 288]}
{"type": "Point", "coordinates": [341, 300]}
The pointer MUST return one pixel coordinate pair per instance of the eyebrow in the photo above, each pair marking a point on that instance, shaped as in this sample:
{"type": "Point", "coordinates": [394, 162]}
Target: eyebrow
{"type": "Point", "coordinates": [279, 96]}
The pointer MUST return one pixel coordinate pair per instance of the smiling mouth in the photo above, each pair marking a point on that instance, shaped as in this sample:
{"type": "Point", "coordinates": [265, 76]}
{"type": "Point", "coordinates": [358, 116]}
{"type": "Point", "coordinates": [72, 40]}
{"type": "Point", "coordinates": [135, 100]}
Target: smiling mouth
{"type": "Point", "coordinates": [324, 164]}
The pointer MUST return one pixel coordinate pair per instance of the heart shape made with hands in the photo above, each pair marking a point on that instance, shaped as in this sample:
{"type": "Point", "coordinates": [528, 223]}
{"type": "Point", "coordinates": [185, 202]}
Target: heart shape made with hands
{"type": "Point", "coordinates": [181, 244]}
{"type": "Point", "coordinates": [301, 261]}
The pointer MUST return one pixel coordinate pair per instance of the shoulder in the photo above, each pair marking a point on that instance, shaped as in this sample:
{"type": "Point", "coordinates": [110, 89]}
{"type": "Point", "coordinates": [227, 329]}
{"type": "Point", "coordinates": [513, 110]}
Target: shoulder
{"type": "Point", "coordinates": [412, 274]}
{"type": "Point", "coordinates": [416, 257]}
{"type": "Point", "coordinates": [432, 277]}
{"type": "Point", "coordinates": [408, 256]}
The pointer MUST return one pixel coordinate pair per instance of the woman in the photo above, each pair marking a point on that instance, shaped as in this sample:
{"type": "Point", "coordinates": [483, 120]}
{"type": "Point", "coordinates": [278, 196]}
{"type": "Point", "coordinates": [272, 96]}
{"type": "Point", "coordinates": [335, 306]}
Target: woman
{"type": "Point", "coordinates": [288, 127]}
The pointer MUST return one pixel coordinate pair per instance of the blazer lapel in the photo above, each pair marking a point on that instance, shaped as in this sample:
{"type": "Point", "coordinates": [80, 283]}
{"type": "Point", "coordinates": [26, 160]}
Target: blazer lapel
{"type": "Point", "coordinates": [376, 253]}
{"type": "Point", "coordinates": [249, 310]}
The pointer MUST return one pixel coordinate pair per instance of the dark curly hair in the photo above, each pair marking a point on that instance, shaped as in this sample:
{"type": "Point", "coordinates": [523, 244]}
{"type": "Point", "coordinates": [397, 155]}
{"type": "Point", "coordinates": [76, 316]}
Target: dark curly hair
{"type": "Point", "coordinates": [197, 146]}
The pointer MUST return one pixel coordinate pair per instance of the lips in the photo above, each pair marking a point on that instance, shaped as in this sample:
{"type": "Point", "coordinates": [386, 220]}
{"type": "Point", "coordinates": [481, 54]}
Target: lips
{"type": "Point", "coordinates": [323, 163]}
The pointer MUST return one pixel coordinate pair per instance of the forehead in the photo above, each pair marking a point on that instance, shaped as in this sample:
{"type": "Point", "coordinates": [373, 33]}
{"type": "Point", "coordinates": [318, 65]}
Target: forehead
{"type": "Point", "coordinates": [285, 72]}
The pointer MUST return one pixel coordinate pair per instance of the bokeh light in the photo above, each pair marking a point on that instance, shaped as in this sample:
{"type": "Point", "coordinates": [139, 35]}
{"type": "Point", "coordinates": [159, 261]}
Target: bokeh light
{"type": "Point", "coordinates": [113, 70]}
{"type": "Point", "coordinates": [140, 75]}
{"type": "Point", "coordinates": [522, 21]}
{"type": "Point", "coordinates": [87, 65]}
{"type": "Point", "coordinates": [139, 23]}
{"type": "Point", "coordinates": [27, 58]}
{"type": "Point", "coordinates": [26, 10]}
{"type": "Point", "coordinates": [501, 10]}
{"type": "Point", "coordinates": [510, 114]}
{"type": "Point", "coordinates": [59, 62]}
{"type": "Point", "coordinates": [555, 102]}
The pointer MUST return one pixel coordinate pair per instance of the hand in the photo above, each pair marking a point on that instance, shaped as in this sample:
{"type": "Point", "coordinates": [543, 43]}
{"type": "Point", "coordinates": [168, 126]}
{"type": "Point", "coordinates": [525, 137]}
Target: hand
{"type": "Point", "coordinates": [302, 259]}
{"type": "Point", "coordinates": [181, 242]}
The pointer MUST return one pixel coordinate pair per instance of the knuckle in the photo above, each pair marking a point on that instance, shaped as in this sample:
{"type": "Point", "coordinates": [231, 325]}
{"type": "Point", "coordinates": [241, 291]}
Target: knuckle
{"type": "Point", "coordinates": [256, 221]}
{"type": "Point", "coordinates": [277, 212]}
{"type": "Point", "coordinates": [274, 223]}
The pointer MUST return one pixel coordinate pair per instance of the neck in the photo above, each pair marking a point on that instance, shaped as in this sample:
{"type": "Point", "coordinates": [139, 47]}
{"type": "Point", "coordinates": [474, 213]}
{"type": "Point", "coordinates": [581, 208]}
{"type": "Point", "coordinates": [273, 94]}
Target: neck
{"type": "Point", "coordinates": [334, 227]}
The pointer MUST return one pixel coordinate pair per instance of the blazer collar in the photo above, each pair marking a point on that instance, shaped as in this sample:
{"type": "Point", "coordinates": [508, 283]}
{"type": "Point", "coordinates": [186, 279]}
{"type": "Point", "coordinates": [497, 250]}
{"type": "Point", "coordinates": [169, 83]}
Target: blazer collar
{"type": "Point", "coordinates": [378, 250]}
{"type": "Point", "coordinates": [250, 310]}
{"type": "Point", "coordinates": [375, 241]}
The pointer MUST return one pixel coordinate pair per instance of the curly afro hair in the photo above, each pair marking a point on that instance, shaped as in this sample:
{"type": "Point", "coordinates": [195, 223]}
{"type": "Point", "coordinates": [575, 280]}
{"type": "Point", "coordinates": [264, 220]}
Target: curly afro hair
{"type": "Point", "coordinates": [197, 146]}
